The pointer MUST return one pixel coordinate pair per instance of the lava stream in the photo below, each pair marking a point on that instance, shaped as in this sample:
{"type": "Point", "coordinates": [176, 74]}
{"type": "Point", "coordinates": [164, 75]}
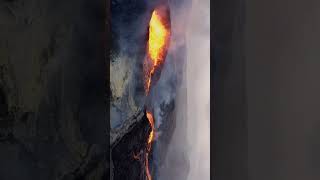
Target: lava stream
{"type": "Point", "coordinates": [150, 139]}
{"type": "Point", "coordinates": [159, 35]}
{"type": "Point", "coordinates": [152, 133]}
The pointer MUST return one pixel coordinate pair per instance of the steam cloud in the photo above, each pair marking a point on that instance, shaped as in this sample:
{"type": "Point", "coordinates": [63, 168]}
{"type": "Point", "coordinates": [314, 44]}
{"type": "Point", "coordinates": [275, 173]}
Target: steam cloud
{"type": "Point", "coordinates": [198, 79]}
{"type": "Point", "coordinates": [188, 154]}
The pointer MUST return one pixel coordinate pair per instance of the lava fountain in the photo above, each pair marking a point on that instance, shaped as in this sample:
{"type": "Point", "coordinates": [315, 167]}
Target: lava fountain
{"type": "Point", "coordinates": [157, 47]}
{"type": "Point", "coordinates": [158, 43]}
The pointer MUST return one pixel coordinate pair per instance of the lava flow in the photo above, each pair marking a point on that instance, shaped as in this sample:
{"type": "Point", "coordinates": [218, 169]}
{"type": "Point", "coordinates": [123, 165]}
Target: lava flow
{"type": "Point", "coordinates": [150, 139]}
{"type": "Point", "coordinates": [159, 35]}
{"type": "Point", "coordinates": [152, 133]}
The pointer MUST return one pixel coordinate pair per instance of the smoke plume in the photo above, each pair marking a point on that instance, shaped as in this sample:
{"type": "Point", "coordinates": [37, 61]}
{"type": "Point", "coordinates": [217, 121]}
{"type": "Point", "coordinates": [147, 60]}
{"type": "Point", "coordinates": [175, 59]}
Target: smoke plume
{"type": "Point", "coordinates": [189, 149]}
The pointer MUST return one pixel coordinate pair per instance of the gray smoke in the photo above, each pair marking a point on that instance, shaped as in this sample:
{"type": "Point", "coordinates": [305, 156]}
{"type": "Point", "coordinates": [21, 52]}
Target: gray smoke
{"type": "Point", "coordinates": [186, 81]}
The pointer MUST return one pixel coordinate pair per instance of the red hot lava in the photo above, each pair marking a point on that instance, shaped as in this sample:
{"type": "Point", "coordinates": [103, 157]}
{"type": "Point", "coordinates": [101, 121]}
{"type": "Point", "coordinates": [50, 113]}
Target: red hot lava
{"type": "Point", "coordinates": [150, 139]}
{"type": "Point", "coordinates": [158, 43]}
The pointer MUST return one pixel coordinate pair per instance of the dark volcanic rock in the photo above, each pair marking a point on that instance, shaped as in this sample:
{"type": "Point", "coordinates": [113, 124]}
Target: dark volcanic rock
{"type": "Point", "coordinates": [133, 143]}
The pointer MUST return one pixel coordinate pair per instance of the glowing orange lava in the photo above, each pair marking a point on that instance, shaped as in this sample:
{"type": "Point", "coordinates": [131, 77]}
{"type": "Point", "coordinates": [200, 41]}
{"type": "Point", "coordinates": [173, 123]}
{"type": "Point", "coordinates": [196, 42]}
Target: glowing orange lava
{"type": "Point", "coordinates": [150, 139]}
{"type": "Point", "coordinates": [158, 37]}
{"type": "Point", "coordinates": [151, 135]}
{"type": "Point", "coordinates": [159, 34]}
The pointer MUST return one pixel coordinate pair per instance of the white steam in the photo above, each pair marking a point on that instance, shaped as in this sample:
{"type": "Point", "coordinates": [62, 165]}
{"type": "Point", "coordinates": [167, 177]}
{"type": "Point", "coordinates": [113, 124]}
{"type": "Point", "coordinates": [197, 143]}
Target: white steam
{"type": "Point", "coordinates": [188, 155]}
{"type": "Point", "coordinates": [198, 85]}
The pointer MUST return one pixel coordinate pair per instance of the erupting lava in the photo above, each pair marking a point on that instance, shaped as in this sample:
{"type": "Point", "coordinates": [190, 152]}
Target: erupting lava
{"type": "Point", "coordinates": [159, 35]}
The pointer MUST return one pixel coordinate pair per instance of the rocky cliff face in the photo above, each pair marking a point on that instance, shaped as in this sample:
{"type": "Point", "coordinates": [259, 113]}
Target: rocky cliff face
{"type": "Point", "coordinates": [129, 125]}
{"type": "Point", "coordinates": [129, 24]}
{"type": "Point", "coordinates": [128, 154]}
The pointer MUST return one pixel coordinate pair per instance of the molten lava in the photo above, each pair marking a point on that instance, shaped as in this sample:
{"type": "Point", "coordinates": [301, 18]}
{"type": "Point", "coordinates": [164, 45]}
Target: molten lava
{"type": "Point", "coordinates": [159, 35]}
{"type": "Point", "coordinates": [152, 133]}
{"type": "Point", "coordinates": [150, 139]}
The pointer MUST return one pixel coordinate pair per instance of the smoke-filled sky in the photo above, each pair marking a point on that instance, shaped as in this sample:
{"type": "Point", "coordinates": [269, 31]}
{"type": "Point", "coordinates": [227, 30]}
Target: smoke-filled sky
{"type": "Point", "coordinates": [188, 154]}
{"type": "Point", "coordinates": [198, 85]}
